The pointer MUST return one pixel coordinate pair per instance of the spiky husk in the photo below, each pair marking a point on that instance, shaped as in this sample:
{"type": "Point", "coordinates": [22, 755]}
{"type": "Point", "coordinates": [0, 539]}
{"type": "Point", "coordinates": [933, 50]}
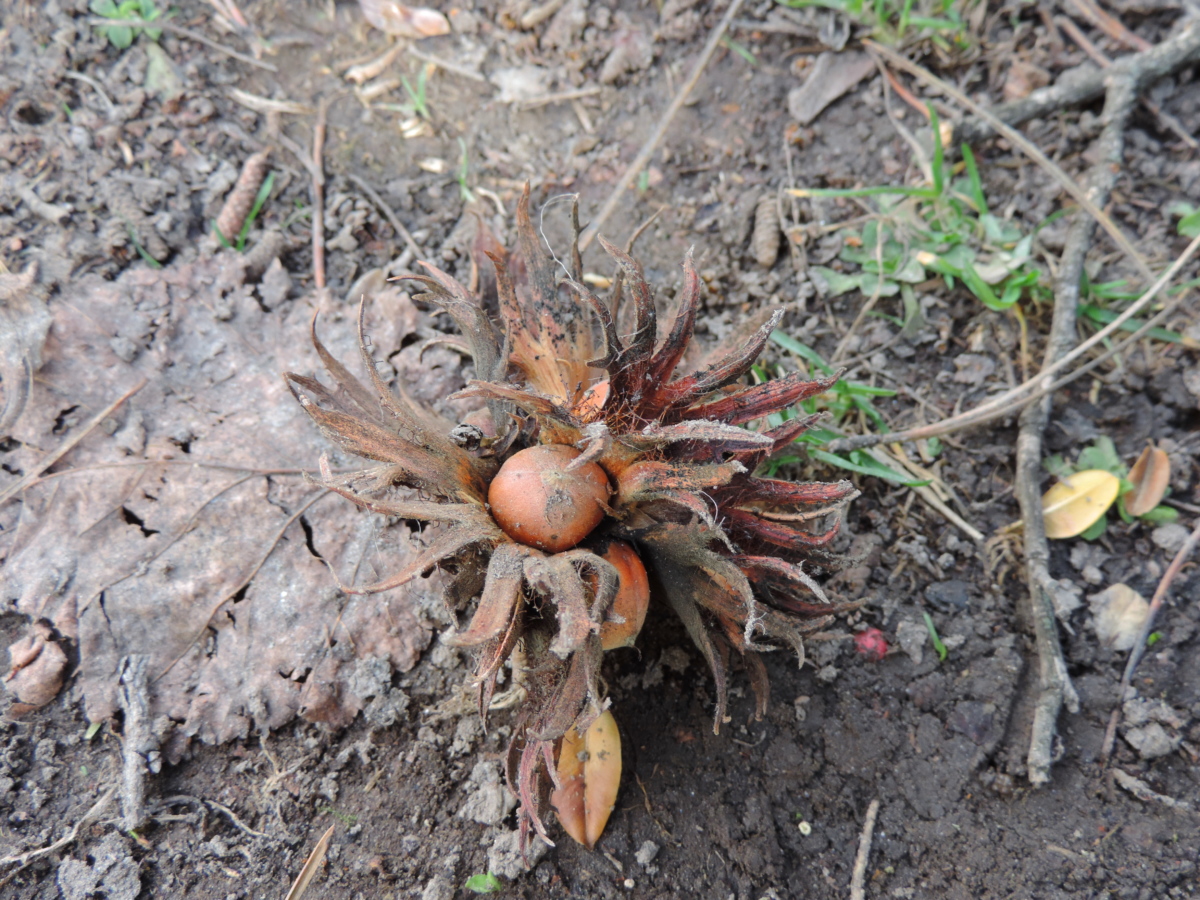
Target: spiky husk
{"type": "Point", "coordinates": [726, 550]}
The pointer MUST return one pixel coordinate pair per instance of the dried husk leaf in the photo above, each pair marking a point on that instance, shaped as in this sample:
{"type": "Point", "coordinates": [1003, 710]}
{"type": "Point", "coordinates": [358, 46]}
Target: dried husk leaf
{"type": "Point", "coordinates": [1077, 502]}
{"type": "Point", "coordinates": [1151, 475]}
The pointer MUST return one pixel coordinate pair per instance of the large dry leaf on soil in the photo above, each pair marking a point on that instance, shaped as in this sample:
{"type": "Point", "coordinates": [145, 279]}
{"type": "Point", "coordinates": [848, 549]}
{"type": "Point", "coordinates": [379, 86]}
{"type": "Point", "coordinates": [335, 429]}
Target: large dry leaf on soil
{"type": "Point", "coordinates": [161, 559]}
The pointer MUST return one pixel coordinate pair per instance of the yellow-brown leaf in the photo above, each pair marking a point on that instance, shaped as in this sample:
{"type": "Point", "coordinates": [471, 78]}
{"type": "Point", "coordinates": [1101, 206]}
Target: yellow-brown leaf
{"type": "Point", "coordinates": [1077, 502]}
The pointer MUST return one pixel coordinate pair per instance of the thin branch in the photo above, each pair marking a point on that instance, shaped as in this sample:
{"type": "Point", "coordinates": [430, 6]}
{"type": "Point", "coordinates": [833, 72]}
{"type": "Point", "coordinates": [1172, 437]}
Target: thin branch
{"type": "Point", "coordinates": [1086, 83]}
{"type": "Point", "coordinates": [1139, 645]}
{"type": "Point", "coordinates": [859, 876]}
{"type": "Point", "coordinates": [21, 860]}
{"type": "Point", "coordinates": [1035, 388]}
{"type": "Point", "coordinates": [390, 215]}
{"type": "Point", "coordinates": [318, 216]}
{"type": "Point", "coordinates": [51, 458]}
{"type": "Point", "coordinates": [1054, 685]}
{"type": "Point", "coordinates": [647, 152]}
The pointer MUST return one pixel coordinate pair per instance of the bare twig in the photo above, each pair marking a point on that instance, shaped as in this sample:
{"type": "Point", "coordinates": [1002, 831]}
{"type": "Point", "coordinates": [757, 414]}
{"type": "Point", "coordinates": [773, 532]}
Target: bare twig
{"type": "Point", "coordinates": [647, 152]}
{"type": "Point", "coordinates": [1169, 121]}
{"type": "Point", "coordinates": [1087, 83]}
{"type": "Point", "coordinates": [21, 860]}
{"type": "Point", "coordinates": [1110, 25]}
{"type": "Point", "coordinates": [138, 739]}
{"type": "Point", "coordinates": [1035, 388]}
{"type": "Point", "coordinates": [390, 215]}
{"type": "Point", "coordinates": [51, 458]}
{"type": "Point", "coordinates": [1054, 688]}
{"type": "Point", "coordinates": [1139, 645]}
{"type": "Point", "coordinates": [446, 64]}
{"type": "Point", "coordinates": [859, 876]}
{"type": "Point", "coordinates": [187, 33]}
{"type": "Point", "coordinates": [560, 97]}
{"type": "Point", "coordinates": [318, 216]}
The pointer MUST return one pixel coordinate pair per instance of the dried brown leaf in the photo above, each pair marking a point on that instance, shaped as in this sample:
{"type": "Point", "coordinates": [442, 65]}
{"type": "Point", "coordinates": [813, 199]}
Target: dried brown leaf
{"type": "Point", "coordinates": [179, 560]}
{"type": "Point", "coordinates": [1151, 476]}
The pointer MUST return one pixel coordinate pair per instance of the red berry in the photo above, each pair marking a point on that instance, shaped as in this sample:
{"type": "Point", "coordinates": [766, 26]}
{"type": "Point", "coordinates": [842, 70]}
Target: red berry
{"type": "Point", "coordinates": [871, 644]}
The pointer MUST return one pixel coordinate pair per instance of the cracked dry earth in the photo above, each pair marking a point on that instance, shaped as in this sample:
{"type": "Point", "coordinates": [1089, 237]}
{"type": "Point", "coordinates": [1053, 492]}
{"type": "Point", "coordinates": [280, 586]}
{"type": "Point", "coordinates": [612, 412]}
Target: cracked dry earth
{"type": "Point", "coordinates": [280, 707]}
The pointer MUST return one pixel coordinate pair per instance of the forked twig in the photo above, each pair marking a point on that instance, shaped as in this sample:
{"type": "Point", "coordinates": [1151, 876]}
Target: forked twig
{"type": "Point", "coordinates": [1054, 688]}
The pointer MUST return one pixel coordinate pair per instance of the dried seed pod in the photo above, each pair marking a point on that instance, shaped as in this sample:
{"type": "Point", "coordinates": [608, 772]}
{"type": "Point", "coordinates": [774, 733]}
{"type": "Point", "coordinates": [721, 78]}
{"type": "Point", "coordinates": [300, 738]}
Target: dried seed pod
{"type": "Point", "coordinates": [536, 500]}
{"type": "Point", "coordinates": [241, 199]}
{"type": "Point", "coordinates": [765, 240]}
{"type": "Point", "coordinates": [589, 773]}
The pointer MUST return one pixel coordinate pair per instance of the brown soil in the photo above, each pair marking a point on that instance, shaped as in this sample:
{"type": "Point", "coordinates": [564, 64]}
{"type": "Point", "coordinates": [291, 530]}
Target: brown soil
{"type": "Point", "coordinates": [765, 809]}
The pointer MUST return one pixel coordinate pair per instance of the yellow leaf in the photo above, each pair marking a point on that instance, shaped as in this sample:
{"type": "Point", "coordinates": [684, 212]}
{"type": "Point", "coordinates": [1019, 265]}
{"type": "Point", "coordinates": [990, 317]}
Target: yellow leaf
{"type": "Point", "coordinates": [1077, 502]}
{"type": "Point", "coordinates": [1150, 476]}
{"type": "Point", "coordinates": [589, 773]}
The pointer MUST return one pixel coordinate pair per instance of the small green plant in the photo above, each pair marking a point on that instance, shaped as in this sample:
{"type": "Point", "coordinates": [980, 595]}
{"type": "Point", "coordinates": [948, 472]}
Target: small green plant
{"type": "Point", "coordinates": [344, 818]}
{"type": "Point", "coordinates": [141, 251]}
{"type": "Point", "coordinates": [896, 21]}
{"type": "Point", "coordinates": [942, 652]}
{"type": "Point", "coordinates": [239, 244]}
{"type": "Point", "coordinates": [420, 103]}
{"type": "Point", "coordinates": [1189, 218]}
{"type": "Point", "coordinates": [840, 401]}
{"type": "Point", "coordinates": [485, 883]}
{"type": "Point", "coordinates": [942, 229]}
{"type": "Point", "coordinates": [730, 44]}
{"type": "Point", "coordinates": [464, 171]}
{"type": "Point", "coordinates": [121, 36]}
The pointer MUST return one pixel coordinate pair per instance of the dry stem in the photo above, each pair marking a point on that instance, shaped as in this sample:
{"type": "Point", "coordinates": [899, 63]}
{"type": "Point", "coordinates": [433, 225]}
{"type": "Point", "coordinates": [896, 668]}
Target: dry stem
{"type": "Point", "coordinates": [1086, 83]}
{"type": "Point", "coordinates": [858, 878]}
{"type": "Point", "coordinates": [652, 142]}
{"type": "Point", "coordinates": [1054, 686]}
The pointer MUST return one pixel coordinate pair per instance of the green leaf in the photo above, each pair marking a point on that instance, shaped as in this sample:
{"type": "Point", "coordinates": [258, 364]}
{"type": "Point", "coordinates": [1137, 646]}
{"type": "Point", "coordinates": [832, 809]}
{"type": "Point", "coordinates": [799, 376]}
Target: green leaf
{"type": "Point", "coordinates": [1102, 454]}
{"type": "Point", "coordinates": [106, 8]}
{"type": "Point", "coordinates": [805, 352]}
{"type": "Point", "coordinates": [942, 652]}
{"type": "Point", "coordinates": [486, 883]}
{"type": "Point", "coordinates": [1189, 225]}
{"type": "Point", "coordinates": [1096, 530]}
{"type": "Point", "coordinates": [120, 36]}
{"type": "Point", "coordinates": [835, 283]}
{"type": "Point", "coordinates": [1161, 515]}
{"type": "Point", "coordinates": [976, 183]}
{"type": "Point", "coordinates": [864, 465]}
{"type": "Point", "coordinates": [259, 199]}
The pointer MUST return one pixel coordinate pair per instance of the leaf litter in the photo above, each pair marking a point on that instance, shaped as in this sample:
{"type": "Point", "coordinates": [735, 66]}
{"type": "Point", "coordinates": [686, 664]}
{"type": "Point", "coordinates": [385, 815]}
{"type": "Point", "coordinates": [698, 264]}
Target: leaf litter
{"type": "Point", "coordinates": [181, 527]}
